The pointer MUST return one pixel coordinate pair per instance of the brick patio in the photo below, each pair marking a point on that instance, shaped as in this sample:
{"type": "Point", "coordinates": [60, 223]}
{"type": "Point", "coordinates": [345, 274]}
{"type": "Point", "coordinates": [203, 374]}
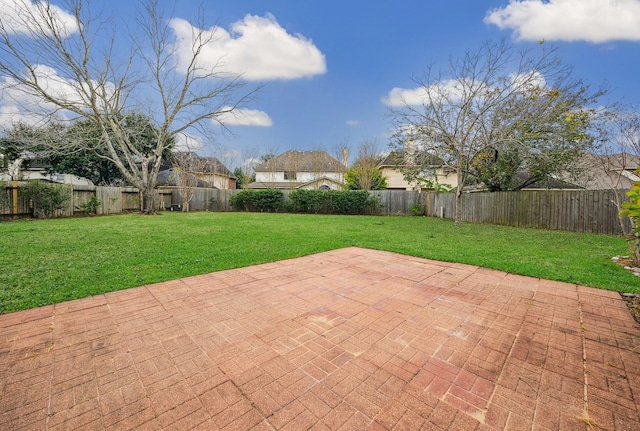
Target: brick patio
{"type": "Point", "coordinates": [351, 339]}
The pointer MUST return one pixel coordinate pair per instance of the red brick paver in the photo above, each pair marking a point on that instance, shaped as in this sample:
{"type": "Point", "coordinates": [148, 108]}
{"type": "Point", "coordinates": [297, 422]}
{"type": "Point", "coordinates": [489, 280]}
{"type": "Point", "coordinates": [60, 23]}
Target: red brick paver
{"type": "Point", "coordinates": [351, 339]}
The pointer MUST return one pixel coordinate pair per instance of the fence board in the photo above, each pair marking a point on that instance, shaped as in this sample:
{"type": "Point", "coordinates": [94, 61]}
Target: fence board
{"type": "Point", "coordinates": [573, 210]}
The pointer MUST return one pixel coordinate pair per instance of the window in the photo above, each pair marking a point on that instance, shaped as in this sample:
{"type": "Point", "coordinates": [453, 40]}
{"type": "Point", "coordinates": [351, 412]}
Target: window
{"type": "Point", "coordinates": [429, 173]}
{"type": "Point", "coordinates": [325, 187]}
{"type": "Point", "coordinates": [289, 175]}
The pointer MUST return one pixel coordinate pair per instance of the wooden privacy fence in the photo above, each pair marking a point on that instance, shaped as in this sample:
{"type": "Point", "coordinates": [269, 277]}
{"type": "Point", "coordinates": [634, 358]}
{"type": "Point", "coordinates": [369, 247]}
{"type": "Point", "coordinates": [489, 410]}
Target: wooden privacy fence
{"type": "Point", "coordinates": [592, 211]}
{"type": "Point", "coordinates": [571, 210]}
{"type": "Point", "coordinates": [113, 200]}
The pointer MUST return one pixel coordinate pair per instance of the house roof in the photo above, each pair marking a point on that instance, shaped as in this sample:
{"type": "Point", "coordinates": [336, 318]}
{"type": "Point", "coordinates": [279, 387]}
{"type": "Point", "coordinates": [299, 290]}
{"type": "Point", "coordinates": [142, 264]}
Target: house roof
{"type": "Point", "coordinates": [169, 178]}
{"type": "Point", "coordinates": [547, 183]}
{"type": "Point", "coordinates": [208, 165]}
{"type": "Point", "coordinates": [397, 158]}
{"type": "Point", "coordinates": [596, 171]}
{"type": "Point", "coordinates": [301, 161]}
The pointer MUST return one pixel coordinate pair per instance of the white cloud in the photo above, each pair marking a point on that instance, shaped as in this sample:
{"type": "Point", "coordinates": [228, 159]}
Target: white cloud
{"type": "Point", "coordinates": [250, 163]}
{"type": "Point", "coordinates": [16, 15]}
{"type": "Point", "coordinates": [353, 123]}
{"type": "Point", "coordinates": [245, 117]}
{"type": "Point", "coordinates": [187, 143]}
{"type": "Point", "coordinates": [449, 89]}
{"type": "Point", "coordinates": [11, 114]}
{"type": "Point", "coordinates": [453, 90]}
{"type": "Point", "coordinates": [20, 103]}
{"type": "Point", "coordinates": [403, 96]}
{"type": "Point", "coordinates": [256, 47]}
{"type": "Point", "coordinates": [597, 21]}
{"type": "Point", "coordinates": [528, 80]}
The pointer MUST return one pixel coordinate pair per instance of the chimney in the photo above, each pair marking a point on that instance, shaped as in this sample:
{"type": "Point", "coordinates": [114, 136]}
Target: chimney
{"type": "Point", "coordinates": [345, 157]}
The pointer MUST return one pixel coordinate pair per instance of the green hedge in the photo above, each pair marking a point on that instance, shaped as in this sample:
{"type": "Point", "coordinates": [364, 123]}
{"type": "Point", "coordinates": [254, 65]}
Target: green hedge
{"type": "Point", "coordinates": [257, 200]}
{"type": "Point", "coordinates": [307, 201]}
{"type": "Point", "coordinates": [333, 201]}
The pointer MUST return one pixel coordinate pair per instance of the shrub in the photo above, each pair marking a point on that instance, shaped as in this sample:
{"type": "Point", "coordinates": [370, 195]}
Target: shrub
{"type": "Point", "coordinates": [240, 201]}
{"type": "Point", "coordinates": [91, 206]}
{"type": "Point", "coordinates": [333, 201]}
{"type": "Point", "coordinates": [417, 209]}
{"type": "Point", "coordinates": [257, 200]}
{"type": "Point", "coordinates": [350, 201]}
{"type": "Point", "coordinates": [46, 198]}
{"type": "Point", "coordinates": [631, 209]}
{"type": "Point", "coordinates": [309, 201]}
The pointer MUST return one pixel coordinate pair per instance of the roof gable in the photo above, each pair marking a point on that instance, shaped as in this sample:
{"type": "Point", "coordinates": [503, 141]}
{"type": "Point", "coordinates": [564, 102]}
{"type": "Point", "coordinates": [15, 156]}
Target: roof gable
{"type": "Point", "coordinates": [206, 165]}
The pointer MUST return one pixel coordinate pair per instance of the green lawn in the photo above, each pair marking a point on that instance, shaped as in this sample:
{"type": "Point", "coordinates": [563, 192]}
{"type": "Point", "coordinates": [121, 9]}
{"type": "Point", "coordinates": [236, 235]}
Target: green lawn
{"type": "Point", "coordinates": [48, 261]}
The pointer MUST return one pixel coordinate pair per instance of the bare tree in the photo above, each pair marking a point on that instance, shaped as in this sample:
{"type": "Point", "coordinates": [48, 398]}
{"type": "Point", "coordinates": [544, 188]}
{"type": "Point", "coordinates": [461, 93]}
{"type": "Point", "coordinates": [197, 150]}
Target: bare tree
{"type": "Point", "coordinates": [249, 161]}
{"type": "Point", "coordinates": [218, 167]}
{"type": "Point", "coordinates": [185, 163]}
{"type": "Point", "coordinates": [494, 101]}
{"type": "Point", "coordinates": [292, 166]}
{"type": "Point", "coordinates": [55, 61]}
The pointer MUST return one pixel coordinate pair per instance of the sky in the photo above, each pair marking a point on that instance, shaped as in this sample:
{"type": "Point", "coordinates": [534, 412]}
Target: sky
{"type": "Point", "coordinates": [328, 68]}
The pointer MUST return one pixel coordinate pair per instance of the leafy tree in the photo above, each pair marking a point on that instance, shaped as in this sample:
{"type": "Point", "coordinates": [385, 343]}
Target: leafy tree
{"type": "Point", "coordinates": [364, 174]}
{"type": "Point", "coordinates": [535, 149]}
{"type": "Point", "coordinates": [243, 178]}
{"type": "Point", "coordinates": [9, 152]}
{"type": "Point", "coordinates": [91, 160]}
{"type": "Point", "coordinates": [374, 178]}
{"type": "Point", "coordinates": [100, 87]}
{"type": "Point", "coordinates": [494, 113]}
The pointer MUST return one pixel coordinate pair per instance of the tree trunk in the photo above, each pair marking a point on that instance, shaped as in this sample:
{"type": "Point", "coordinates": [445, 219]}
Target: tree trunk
{"type": "Point", "coordinates": [148, 205]}
{"type": "Point", "coordinates": [457, 218]}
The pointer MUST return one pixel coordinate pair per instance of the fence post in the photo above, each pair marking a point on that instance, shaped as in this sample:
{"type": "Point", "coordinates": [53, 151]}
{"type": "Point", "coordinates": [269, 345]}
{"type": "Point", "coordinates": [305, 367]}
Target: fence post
{"type": "Point", "coordinates": [14, 191]}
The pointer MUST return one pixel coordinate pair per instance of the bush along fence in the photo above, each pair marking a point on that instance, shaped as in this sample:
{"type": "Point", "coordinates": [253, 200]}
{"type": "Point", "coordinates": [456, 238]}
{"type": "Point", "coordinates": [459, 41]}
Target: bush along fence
{"type": "Point", "coordinates": [592, 211]}
{"type": "Point", "coordinates": [306, 201]}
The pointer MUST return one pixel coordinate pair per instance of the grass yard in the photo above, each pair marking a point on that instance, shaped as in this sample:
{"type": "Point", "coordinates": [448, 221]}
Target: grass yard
{"type": "Point", "coordinates": [49, 261]}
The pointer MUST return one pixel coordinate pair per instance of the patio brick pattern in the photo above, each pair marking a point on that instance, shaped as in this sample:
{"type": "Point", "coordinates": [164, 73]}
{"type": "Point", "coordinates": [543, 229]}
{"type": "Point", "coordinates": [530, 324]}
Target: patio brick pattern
{"type": "Point", "coordinates": [351, 339]}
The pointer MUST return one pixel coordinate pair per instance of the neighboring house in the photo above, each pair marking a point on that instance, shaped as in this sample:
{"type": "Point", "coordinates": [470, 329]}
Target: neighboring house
{"type": "Point", "coordinates": [169, 178]}
{"type": "Point", "coordinates": [435, 171]}
{"type": "Point", "coordinates": [300, 170]}
{"type": "Point", "coordinates": [209, 171]}
{"type": "Point", "coordinates": [603, 172]}
{"type": "Point", "coordinates": [214, 172]}
{"type": "Point", "coordinates": [549, 183]}
{"type": "Point", "coordinates": [36, 170]}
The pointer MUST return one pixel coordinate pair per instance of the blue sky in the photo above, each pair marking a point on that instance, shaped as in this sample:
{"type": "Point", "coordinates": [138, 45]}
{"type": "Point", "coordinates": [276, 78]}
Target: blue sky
{"type": "Point", "coordinates": [330, 64]}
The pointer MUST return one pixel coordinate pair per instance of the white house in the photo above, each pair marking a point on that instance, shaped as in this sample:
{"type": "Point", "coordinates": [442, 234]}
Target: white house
{"type": "Point", "coordinates": [300, 170]}
{"type": "Point", "coordinates": [38, 171]}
